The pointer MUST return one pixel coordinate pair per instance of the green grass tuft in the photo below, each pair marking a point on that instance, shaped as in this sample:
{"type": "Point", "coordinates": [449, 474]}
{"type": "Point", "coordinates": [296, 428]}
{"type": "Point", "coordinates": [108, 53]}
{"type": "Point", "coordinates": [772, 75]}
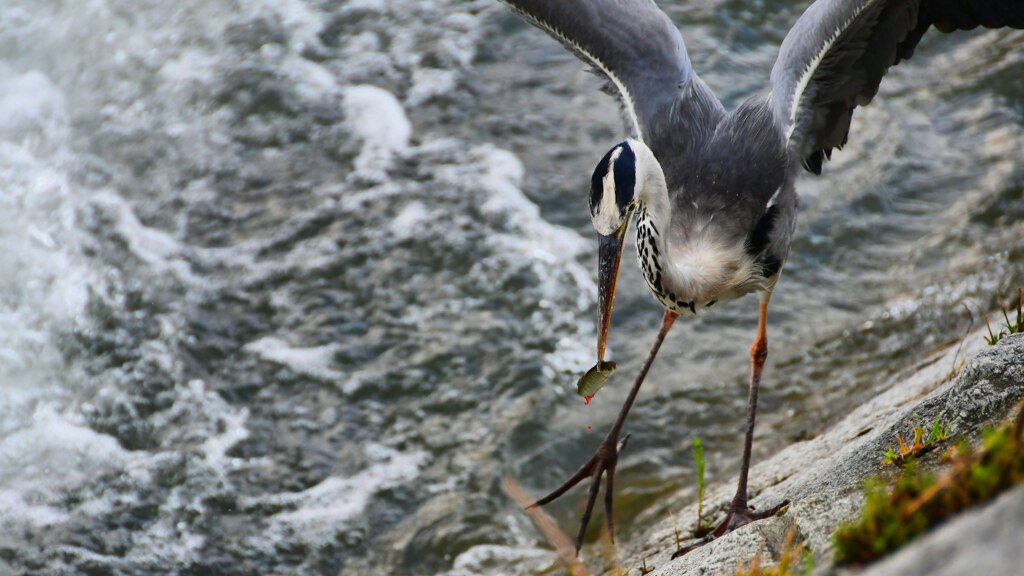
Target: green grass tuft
{"type": "Point", "coordinates": [894, 515]}
{"type": "Point", "coordinates": [1015, 326]}
{"type": "Point", "coordinates": [698, 456]}
{"type": "Point", "coordinates": [920, 443]}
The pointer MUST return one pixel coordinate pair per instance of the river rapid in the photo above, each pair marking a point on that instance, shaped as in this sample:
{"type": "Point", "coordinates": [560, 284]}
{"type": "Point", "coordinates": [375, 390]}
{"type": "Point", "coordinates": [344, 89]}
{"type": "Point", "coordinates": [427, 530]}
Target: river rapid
{"type": "Point", "coordinates": [291, 286]}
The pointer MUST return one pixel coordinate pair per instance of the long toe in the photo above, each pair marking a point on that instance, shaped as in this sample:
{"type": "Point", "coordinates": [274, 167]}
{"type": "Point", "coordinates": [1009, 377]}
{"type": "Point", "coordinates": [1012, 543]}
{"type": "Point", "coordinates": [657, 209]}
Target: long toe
{"type": "Point", "coordinates": [742, 518]}
{"type": "Point", "coordinates": [735, 519]}
{"type": "Point", "coordinates": [601, 464]}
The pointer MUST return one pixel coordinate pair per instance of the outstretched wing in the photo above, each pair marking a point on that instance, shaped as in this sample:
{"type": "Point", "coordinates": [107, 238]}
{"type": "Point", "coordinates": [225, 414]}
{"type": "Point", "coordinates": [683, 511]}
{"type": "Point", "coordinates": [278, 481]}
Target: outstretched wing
{"type": "Point", "coordinates": [636, 48]}
{"type": "Point", "coordinates": [835, 56]}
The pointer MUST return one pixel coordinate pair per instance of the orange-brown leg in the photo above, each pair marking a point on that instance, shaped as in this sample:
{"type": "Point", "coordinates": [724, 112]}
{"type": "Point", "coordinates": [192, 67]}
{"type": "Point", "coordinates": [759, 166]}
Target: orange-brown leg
{"type": "Point", "coordinates": [758, 354]}
{"type": "Point", "coordinates": [740, 513]}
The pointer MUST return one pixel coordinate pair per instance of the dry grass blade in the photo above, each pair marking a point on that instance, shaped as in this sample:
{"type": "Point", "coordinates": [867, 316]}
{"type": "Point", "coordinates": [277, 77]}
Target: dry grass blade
{"type": "Point", "coordinates": [554, 535]}
{"type": "Point", "coordinates": [793, 560]}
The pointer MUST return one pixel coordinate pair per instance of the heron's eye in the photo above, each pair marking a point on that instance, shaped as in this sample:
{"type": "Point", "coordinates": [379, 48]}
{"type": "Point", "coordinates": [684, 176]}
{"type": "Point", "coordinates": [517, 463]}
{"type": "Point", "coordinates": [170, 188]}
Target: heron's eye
{"type": "Point", "coordinates": [711, 303]}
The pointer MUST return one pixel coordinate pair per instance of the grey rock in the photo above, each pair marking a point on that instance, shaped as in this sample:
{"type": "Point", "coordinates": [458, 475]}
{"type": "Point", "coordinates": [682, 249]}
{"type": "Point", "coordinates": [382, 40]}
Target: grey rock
{"type": "Point", "coordinates": [987, 541]}
{"type": "Point", "coordinates": [822, 477]}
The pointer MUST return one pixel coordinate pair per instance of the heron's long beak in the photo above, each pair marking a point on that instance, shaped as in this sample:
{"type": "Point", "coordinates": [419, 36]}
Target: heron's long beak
{"type": "Point", "coordinates": [609, 254]}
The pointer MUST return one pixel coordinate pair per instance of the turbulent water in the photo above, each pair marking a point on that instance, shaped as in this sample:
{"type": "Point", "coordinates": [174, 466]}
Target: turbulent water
{"type": "Point", "coordinates": [291, 286]}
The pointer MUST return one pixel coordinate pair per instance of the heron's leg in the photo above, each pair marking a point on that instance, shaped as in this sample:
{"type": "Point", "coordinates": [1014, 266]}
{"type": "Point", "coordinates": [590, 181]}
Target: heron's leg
{"type": "Point", "coordinates": [739, 513]}
{"type": "Point", "coordinates": [606, 457]}
{"type": "Point", "coordinates": [758, 354]}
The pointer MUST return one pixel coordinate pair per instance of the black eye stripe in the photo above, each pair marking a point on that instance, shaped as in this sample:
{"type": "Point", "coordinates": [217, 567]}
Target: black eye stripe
{"type": "Point", "coordinates": [711, 303]}
{"type": "Point", "coordinates": [597, 181]}
{"type": "Point", "coordinates": [625, 178]}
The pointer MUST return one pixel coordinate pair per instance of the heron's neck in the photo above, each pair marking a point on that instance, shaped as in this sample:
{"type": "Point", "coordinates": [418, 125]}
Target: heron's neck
{"type": "Point", "coordinates": [652, 191]}
{"type": "Point", "coordinates": [653, 215]}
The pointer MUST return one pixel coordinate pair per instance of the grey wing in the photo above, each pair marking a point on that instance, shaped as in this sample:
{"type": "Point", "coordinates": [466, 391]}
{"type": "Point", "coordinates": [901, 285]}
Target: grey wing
{"type": "Point", "coordinates": [835, 56]}
{"type": "Point", "coordinates": [637, 49]}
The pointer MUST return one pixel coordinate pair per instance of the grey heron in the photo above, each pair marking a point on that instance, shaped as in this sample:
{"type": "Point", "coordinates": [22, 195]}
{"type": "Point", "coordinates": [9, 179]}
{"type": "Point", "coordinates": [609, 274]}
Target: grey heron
{"type": "Point", "coordinates": [713, 190]}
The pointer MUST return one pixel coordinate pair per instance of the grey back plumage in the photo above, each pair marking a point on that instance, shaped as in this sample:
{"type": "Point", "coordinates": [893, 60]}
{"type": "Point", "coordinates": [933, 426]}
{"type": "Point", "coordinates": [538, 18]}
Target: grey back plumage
{"type": "Point", "coordinates": [742, 164]}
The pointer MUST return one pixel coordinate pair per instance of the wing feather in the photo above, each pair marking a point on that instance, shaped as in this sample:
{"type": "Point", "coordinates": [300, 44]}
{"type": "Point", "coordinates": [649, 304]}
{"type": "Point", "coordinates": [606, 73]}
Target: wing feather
{"type": "Point", "coordinates": [834, 58]}
{"type": "Point", "coordinates": [637, 49]}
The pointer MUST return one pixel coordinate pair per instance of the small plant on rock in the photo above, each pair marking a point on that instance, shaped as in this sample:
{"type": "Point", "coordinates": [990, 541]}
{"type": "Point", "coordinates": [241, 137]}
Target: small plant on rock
{"type": "Point", "coordinates": [698, 456]}
{"type": "Point", "coordinates": [920, 444]}
{"type": "Point", "coordinates": [1015, 326]}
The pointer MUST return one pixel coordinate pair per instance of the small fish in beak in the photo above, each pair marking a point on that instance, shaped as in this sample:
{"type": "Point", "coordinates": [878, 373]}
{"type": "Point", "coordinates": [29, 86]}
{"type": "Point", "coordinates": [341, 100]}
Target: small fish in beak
{"type": "Point", "coordinates": [594, 380]}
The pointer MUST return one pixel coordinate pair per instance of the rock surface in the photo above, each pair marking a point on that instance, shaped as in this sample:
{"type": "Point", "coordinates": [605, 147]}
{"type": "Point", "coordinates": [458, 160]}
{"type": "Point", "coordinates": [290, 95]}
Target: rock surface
{"type": "Point", "coordinates": [822, 478]}
{"type": "Point", "coordinates": [987, 541]}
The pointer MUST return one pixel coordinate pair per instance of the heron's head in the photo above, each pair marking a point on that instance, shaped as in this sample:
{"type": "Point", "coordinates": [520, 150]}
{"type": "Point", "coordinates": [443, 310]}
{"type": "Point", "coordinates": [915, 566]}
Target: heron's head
{"type": "Point", "coordinates": [613, 191]}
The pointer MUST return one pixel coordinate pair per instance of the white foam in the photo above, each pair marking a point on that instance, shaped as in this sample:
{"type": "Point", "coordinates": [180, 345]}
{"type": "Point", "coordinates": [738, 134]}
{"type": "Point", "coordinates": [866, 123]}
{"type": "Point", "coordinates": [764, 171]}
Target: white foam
{"type": "Point", "coordinates": [54, 442]}
{"type": "Point", "coordinates": [573, 354]}
{"type": "Point", "coordinates": [161, 251]}
{"type": "Point", "coordinates": [522, 236]}
{"type": "Point", "coordinates": [376, 117]}
{"type": "Point", "coordinates": [43, 279]}
{"type": "Point", "coordinates": [45, 284]}
{"type": "Point", "coordinates": [364, 59]}
{"type": "Point", "coordinates": [531, 235]}
{"type": "Point", "coordinates": [312, 81]}
{"type": "Point", "coordinates": [361, 43]}
{"type": "Point", "coordinates": [484, 558]}
{"type": "Point", "coordinates": [366, 5]}
{"type": "Point", "coordinates": [321, 511]}
{"type": "Point", "coordinates": [413, 215]}
{"type": "Point", "coordinates": [428, 83]}
{"type": "Point", "coordinates": [303, 23]}
{"type": "Point", "coordinates": [32, 110]}
{"type": "Point", "coordinates": [191, 66]}
{"type": "Point", "coordinates": [315, 361]}
{"type": "Point", "coordinates": [16, 512]}
{"type": "Point", "coordinates": [460, 38]}
{"type": "Point", "coordinates": [232, 430]}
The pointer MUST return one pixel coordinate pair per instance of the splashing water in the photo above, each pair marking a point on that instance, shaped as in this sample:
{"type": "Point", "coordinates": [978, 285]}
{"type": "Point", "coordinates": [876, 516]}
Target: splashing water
{"type": "Point", "coordinates": [290, 286]}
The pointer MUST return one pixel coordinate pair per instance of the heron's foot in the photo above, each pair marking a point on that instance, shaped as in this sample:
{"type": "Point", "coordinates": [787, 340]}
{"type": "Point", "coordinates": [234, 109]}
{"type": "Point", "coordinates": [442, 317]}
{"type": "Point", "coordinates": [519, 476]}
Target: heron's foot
{"type": "Point", "coordinates": [737, 517]}
{"type": "Point", "coordinates": [602, 463]}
